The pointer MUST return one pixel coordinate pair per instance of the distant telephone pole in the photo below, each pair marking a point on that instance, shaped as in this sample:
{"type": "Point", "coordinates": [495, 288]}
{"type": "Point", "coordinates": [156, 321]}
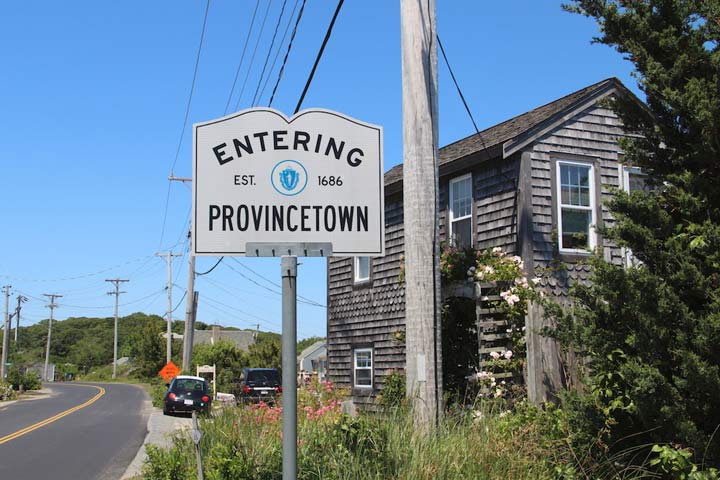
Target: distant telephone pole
{"type": "Point", "coordinates": [20, 300]}
{"type": "Point", "coordinates": [52, 306]}
{"type": "Point", "coordinates": [117, 292]}
{"type": "Point", "coordinates": [168, 257]}
{"type": "Point", "coordinates": [6, 332]}
{"type": "Point", "coordinates": [420, 205]}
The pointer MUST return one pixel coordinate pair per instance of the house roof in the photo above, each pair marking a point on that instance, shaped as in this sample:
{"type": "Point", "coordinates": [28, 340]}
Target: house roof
{"type": "Point", "coordinates": [309, 350]}
{"type": "Point", "coordinates": [512, 134]}
{"type": "Point", "coordinates": [242, 338]}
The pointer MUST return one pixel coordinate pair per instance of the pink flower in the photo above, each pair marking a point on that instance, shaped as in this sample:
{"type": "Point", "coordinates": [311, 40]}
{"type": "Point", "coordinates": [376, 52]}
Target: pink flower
{"type": "Point", "coordinates": [508, 354]}
{"type": "Point", "coordinates": [495, 355]}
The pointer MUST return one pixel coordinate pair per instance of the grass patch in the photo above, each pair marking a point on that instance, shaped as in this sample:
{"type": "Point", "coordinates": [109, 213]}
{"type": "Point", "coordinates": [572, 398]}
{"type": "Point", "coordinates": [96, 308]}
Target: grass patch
{"type": "Point", "coordinates": [245, 443]}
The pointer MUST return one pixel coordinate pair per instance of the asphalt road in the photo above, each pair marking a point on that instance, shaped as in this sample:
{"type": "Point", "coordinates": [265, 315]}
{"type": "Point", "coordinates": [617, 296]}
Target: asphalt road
{"type": "Point", "coordinates": [78, 431]}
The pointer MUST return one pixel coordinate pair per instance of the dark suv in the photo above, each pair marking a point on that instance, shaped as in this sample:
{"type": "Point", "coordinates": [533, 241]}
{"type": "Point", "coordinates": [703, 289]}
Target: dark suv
{"type": "Point", "coordinates": [258, 384]}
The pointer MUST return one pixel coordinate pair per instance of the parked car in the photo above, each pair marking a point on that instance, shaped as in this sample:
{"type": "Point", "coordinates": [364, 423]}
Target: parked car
{"type": "Point", "coordinates": [187, 393]}
{"type": "Point", "coordinates": [258, 384]}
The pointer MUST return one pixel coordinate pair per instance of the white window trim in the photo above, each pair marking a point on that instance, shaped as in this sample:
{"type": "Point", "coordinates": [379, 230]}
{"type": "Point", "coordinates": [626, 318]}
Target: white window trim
{"type": "Point", "coordinates": [592, 234]}
{"type": "Point", "coordinates": [356, 368]}
{"type": "Point", "coordinates": [627, 171]}
{"type": "Point", "coordinates": [356, 270]}
{"type": "Point", "coordinates": [451, 217]}
{"type": "Point", "coordinates": [628, 258]}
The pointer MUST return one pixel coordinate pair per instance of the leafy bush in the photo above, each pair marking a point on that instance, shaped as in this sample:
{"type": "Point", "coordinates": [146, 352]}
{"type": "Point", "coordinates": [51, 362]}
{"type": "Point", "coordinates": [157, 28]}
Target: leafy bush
{"type": "Point", "coordinates": [393, 392]}
{"type": "Point", "coordinates": [29, 380]}
{"type": "Point", "coordinates": [6, 392]}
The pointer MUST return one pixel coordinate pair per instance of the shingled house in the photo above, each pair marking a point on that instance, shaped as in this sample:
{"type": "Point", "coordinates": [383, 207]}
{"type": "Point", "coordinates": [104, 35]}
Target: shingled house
{"type": "Point", "coordinates": [533, 185]}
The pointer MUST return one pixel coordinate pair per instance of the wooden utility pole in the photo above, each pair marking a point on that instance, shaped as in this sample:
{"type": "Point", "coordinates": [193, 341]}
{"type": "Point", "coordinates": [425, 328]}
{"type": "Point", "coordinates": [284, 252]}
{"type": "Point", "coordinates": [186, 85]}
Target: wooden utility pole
{"type": "Point", "coordinates": [20, 300]}
{"type": "Point", "coordinates": [190, 303]}
{"type": "Point", "coordinates": [191, 299]}
{"type": "Point", "coordinates": [117, 293]}
{"type": "Point", "coordinates": [6, 332]}
{"type": "Point", "coordinates": [168, 257]}
{"type": "Point", "coordinates": [420, 203]}
{"type": "Point", "coordinates": [52, 306]}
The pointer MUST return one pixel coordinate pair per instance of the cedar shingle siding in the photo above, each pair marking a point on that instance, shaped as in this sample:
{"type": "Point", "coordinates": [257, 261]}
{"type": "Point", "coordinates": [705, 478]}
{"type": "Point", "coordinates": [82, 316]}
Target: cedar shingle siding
{"type": "Point", "coordinates": [576, 127]}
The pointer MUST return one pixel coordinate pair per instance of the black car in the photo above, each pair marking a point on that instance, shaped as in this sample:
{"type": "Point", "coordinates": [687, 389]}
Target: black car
{"type": "Point", "coordinates": [258, 384]}
{"type": "Point", "coordinates": [187, 393]}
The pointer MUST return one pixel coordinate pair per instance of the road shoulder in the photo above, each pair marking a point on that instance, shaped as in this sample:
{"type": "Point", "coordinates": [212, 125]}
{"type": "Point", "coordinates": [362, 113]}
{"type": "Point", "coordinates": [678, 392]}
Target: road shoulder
{"type": "Point", "coordinates": [160, 432]}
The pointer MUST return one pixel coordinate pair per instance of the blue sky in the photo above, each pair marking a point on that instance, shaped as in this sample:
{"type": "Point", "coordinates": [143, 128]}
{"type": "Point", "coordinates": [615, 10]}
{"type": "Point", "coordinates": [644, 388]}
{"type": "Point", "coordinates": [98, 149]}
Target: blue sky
{"type": "Point", "coordinates": [93, 97]}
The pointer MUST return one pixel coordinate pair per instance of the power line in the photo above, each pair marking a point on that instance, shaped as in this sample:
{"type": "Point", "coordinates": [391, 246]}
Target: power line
{"type": "Point", "coordinates": [319, 55]}
{"type": "Point", "coordinates": [213, 268]}
{"type": "Point", "coordinates": [252, 58]}
{"type": "Point", "coordinates": [300, 299]}
{"type": "Point", "coordinates": [277, 53]}
{"type": "Point", "coordinates": [304, 299]}
{"type": "Point", "coordinates": [287, 53]}
{"type": "Point", "coordinates": [242, 57]}
{"type": "Point", "coordinates": [187, 113]}
{"type": "Point", "coordinates": [192, 86]}
{"type": "Point", "coordinates": [462, 97]}
{"type": "Point", "coordinates": [267, 57]}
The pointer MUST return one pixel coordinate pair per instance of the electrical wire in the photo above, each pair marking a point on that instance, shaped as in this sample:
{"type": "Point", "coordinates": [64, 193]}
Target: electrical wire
{"type": "Point", "coordinates": [213, 268]}
{"type": "Point", "coordinates": [319, 55]}
{"type": "Point", "coordinates": [187, 113]}
{"type": "Point", "coordinates": [192, 86]}
{"type": "Point", "coordinates": [267, 57]}
{"type": "Point", "coordinates": [277, 53]}
{"type": "Point", "coordinates": [462, 97]}
{"type": "Point", "coordinates": [305, 299]}
{"type": "Point", "coordinates": [242, 57]}
{"type": "Point", "coordinates": [287, 53]}
{"type": "Point", "coordinates": [252, 58]}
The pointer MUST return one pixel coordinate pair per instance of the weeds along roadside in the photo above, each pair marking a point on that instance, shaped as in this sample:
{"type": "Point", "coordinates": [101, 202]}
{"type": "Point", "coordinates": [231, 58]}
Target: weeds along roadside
{"type": "Point", "coordinates": [245, 442]}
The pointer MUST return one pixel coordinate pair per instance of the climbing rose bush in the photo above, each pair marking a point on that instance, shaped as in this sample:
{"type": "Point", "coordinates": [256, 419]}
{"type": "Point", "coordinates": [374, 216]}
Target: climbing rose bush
{"type": "Point", "coordinates": [494, 265]}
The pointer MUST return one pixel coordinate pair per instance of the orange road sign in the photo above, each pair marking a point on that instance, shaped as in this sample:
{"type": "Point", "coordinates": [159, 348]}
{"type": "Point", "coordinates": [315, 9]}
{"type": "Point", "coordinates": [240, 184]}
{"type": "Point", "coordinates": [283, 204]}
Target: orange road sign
{"type": "Point", "coordinates": [169, 372]}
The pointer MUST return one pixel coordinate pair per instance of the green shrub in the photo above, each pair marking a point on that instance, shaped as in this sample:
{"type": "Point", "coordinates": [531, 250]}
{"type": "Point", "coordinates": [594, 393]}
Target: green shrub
{"type": "Point", "coordinates": [6, 392]}
{"type": "Point", "coordinates": [393, 391]}
{"type": "Point", "coordinates": [28, 380]}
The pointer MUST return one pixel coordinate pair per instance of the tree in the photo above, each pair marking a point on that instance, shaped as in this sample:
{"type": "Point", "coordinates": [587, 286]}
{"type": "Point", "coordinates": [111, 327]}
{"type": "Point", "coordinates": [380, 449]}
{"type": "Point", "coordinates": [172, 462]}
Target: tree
{"type": "Point", "coordinates": [147, 347]}
{"type": "Point", "coordinates": [652, 331]}
{"type": "Point", "coordinates": [228, 359]}
{"type": "Point", "coordinates": [266, 352]}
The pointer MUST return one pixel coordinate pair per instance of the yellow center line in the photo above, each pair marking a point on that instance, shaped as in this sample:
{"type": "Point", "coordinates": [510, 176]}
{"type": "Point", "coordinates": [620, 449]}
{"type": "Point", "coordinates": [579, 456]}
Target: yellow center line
{"type": "Point", "coordinates": [55, 418]}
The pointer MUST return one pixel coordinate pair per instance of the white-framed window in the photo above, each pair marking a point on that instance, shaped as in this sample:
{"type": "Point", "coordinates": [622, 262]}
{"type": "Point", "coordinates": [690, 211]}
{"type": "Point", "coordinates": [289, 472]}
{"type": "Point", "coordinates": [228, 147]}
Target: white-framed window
{"type": "Point", "coordinates": [633, 179]}
{"type": "Point", "coordinates": [460, 211]}
{"type": "Point", "coordinates": [362, 269]}
{"type": "Point", "coordinates": [576, 206]}
{"type": "Point", "coordinates": [363, 367]}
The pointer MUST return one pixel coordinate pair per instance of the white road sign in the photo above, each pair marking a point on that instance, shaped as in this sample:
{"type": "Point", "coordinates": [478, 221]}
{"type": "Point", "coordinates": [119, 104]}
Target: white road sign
{"type": "Point", "coordinates": [263, 178]}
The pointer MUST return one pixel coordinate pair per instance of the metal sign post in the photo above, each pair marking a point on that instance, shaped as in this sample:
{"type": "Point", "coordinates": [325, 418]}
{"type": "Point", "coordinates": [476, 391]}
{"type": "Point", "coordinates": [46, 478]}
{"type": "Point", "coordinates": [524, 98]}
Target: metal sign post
{"type": "Point", "coordinates": [289, 365]}
{"type": "Point", "coordinates": [288, 272]}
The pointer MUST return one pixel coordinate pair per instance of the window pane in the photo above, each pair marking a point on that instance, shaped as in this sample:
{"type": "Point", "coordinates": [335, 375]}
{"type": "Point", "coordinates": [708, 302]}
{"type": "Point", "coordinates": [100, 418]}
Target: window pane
{"type": "Point", "coordinates": [461, 195]}
{"type": "Point", "coordinates": [362, 268]}
{"type": "Point", "coordinates": [363, 377]}
{"type": "Point", "coordinates": [462, 233]}
{"type": "Point", "coordinates": [575, 185]}
{"type": "Point", "coordinates": [575, 229]}
{"type": "Point", "coordinates": [636, 181]}
{"type": "Point", "coordinates": [363, 359]}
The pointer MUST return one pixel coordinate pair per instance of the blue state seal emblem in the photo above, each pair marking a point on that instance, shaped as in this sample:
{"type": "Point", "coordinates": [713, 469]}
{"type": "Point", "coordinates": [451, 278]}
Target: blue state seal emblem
{"type": "Point", "coordinates": [289, 177]}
